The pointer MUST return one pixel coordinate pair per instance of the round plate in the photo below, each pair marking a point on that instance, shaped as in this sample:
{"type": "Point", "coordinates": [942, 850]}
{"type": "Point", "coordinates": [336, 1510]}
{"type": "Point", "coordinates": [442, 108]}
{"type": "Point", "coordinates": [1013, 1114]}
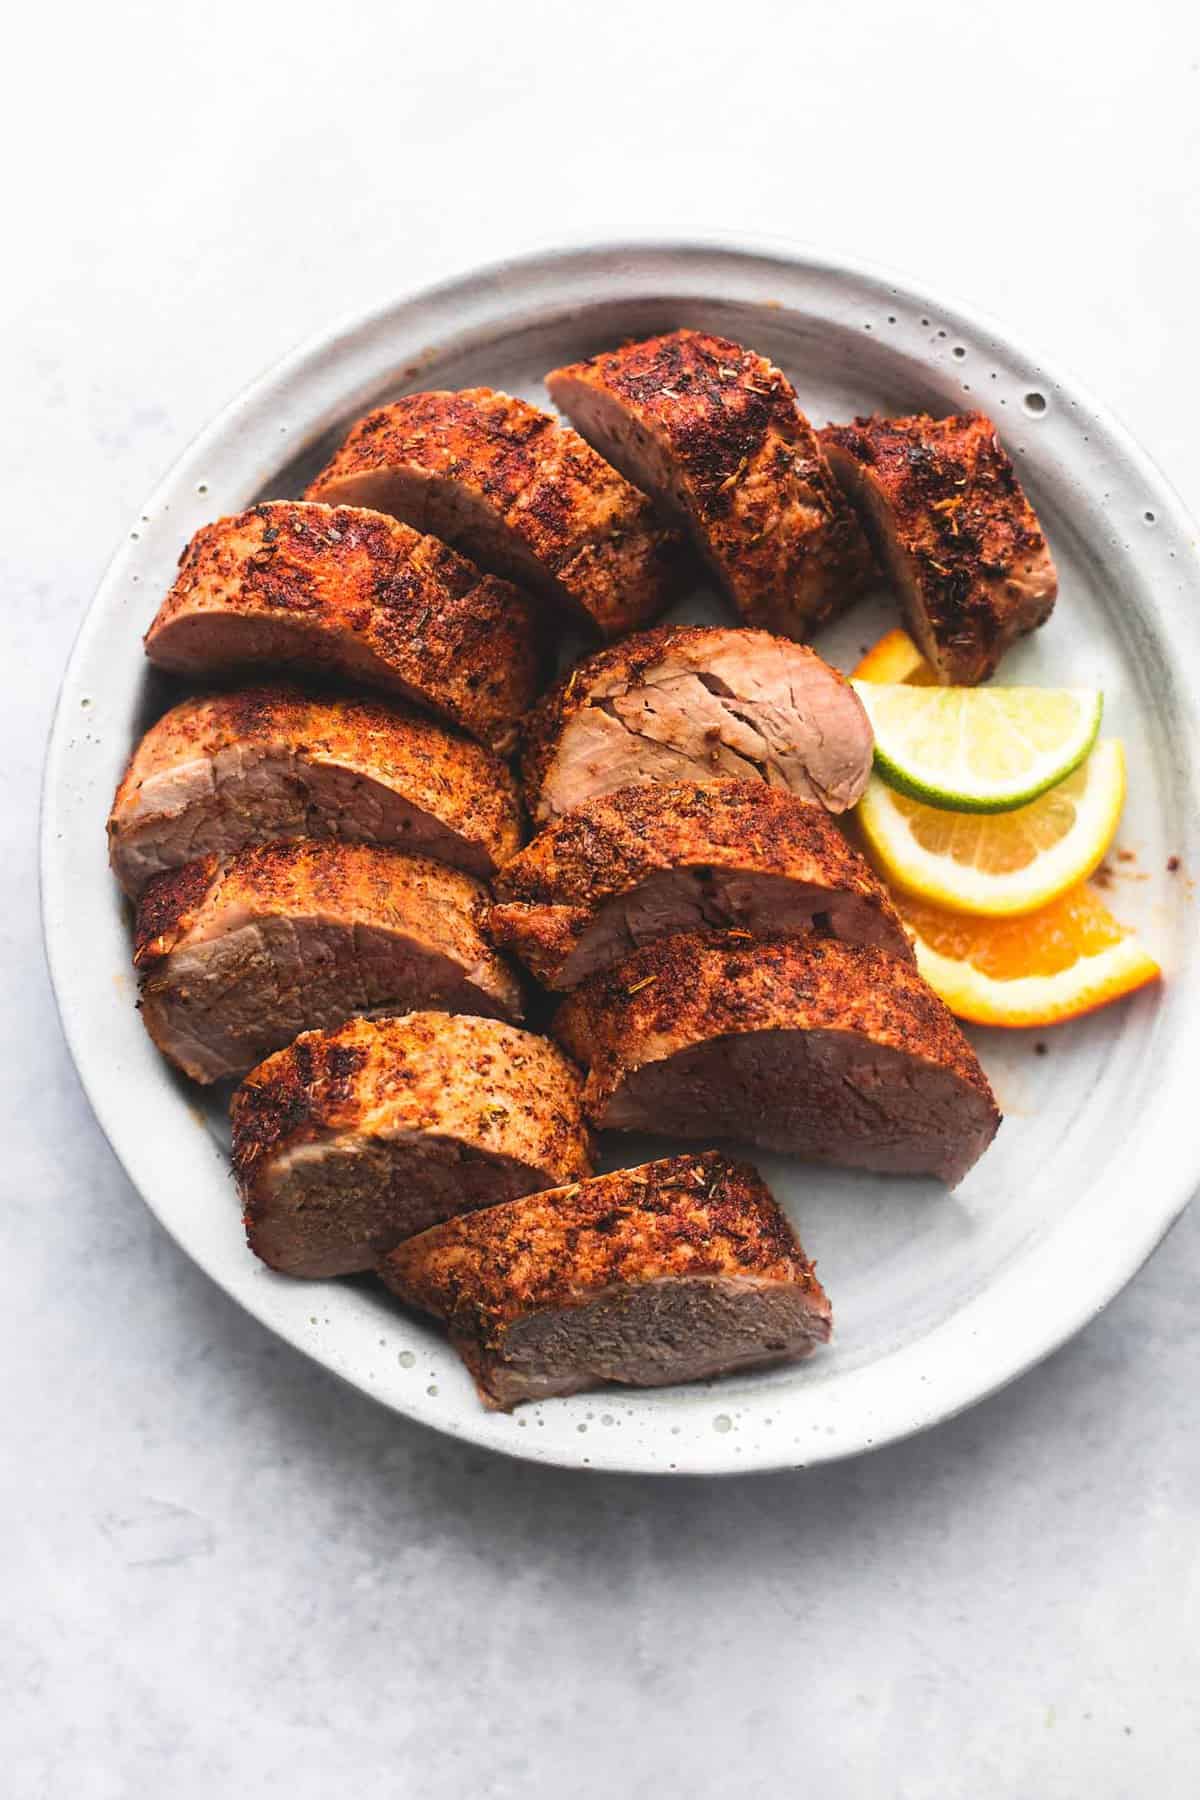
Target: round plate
{"type": "Point", "coordinates": [938, 1297]}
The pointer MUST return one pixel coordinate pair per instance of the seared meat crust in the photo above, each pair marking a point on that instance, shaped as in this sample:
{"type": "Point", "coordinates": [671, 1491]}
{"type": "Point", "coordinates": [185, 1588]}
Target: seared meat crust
{"type": "Point", "coordinates": [519, 493]}
{"type": "Point", "coordinates": [350, 593]}
{"type": "Point", "coordinates": [700, 1225]}
{"type": "Point", "coordinates": [239, 956]}
{"type": "Point", "coordinates": [225, 771]}
{"type": "Point", "coordinates": [837, 1052]}
{"type": "Point", "coordinates": [716, 434]}
{"type": "Point", "coordinates": [349, 1141]}
{"type": "Point", "coordinates": [697, 703]}
{"type": "Point", "coordinates": [942, 504]}
{"type": "Point", "coordinates": [643, 862]}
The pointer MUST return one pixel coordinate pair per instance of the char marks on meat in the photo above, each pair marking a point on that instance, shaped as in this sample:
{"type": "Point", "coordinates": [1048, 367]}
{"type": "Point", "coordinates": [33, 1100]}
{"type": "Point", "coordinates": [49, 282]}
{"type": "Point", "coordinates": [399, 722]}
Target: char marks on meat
{"type": "Point", "coordinates": [716, 434]}
{"type": "Point", "coordinates": [836, 1052]}
{"type": "Point", "coordinates": [220, 773]}
{"type": "Point", "coordinates": [676, 1271]}
{"type": "Point", "coordinates": [520, 494]}
{"type": "Point", "coordinates": [238, 957]}
{"type": "Point", "coordinates": [349, 1141]}
{"type": "Point", "coordinates": [697, 703]}
{"type": "Point", "coordinates": [343, 592]}
{"type": "Point", "coordinates": [941, 502]}
{"type": "Point", "coordinates": [641, 863]}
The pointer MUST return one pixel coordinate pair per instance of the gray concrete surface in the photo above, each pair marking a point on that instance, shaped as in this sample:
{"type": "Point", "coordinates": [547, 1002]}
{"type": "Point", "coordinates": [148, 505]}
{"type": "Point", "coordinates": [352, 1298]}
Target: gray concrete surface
{"type": "Point", "coordinates": [224, 1574]}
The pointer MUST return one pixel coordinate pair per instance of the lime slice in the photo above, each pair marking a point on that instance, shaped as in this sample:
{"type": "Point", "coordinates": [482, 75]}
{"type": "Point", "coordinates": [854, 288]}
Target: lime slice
{"type": "Point", "coordinates": [979, 749]}
{"type": "Point", "coordinates": [997, 863]}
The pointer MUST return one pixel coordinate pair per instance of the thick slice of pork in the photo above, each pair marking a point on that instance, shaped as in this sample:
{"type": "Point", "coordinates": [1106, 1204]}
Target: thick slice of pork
{"type": "Point", "coordinates": [644, 862]}
{"type": "Point", "coordinates": [349, 1141]}
{"type": "Point", "coordinates": [715, 433]}
{"type": "Point", "coordinates": [941, 502]}
{"type": "Point", "coordinates": [697, 703]}
{"type": "Point", "coordinates": [344, 592]}
{"type": "Point", "coordinates": [220, 773]}
{"type": "Point", "coordinates": [676, 1271]}
{"type": "Point", "coordinates": [836, 1052]}
{"type": "Point", "coordinates": [239, 956]}
{"type": "Point", "coordinates": [518, 493]}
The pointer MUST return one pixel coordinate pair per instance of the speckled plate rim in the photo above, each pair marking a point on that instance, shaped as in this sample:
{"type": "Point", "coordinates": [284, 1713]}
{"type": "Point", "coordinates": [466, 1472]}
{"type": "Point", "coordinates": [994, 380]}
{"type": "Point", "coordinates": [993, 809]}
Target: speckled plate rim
{"type": "Point", "coordinates": [1026, 1311]}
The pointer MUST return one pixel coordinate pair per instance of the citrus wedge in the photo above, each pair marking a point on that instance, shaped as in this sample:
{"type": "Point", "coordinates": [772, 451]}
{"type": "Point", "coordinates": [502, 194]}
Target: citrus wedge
{"type": "Point", "coordinates": [895, 658]}
{"type": "Point", "coordinates": [998, 864]}
{"type": "Point", "coordinates": [1069, 958]}
{"type": "Point", "coordinates": [986, 749]}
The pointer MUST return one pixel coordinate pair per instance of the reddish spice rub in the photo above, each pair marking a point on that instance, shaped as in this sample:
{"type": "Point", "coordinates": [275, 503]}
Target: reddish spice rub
{"type": "Point", "coordinates": [348, 1141]}
{"type": "Point", "coordinates": [836, 1052]}
{"type": "Point", "coordinates": [520, 494]}
{"type": "Point", "coordinates": [223, 771]}
{"type": "Point", "coordinates": [941, 502]}
{"type": "Point", "coordinates": [716, 434]}
{"type": "Point", "coordinates": [646, 861]}
{"type": "Point", "coordinates": [240, 955]}
{"type": "Point", "coordinates": [673, 1271]}
{"type": "Point", "coordinates": [346, 592]}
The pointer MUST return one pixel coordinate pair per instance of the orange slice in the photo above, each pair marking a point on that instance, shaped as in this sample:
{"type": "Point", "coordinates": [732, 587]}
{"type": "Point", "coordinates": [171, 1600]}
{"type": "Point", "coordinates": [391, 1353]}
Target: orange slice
{"type": "Point", "coordinates": [1064, 960]}
{"type": "Point", "coordinates": [895, 658]}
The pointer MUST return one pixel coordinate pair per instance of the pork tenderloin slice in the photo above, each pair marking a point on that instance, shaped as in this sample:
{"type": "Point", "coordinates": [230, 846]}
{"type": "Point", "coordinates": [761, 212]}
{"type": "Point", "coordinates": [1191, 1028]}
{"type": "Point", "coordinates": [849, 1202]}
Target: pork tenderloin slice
{"type": "Point", "coordinates": [520, 494]}
{"type": "Point", "coordinates": [941, 503]}
{"type": "Point", "coordinates": [220, 773]}
{"type": "Point", "coordinates": [239, 956]}
{"type": "Point", "coordinates": [676, 1271]}
{"type": "Point", "coordinates": [645, 862]}
{"type": "Point", "coordinates": [697, 703]}
{"type": "Point", "coordinates": [835, 1052]}
{"type": "Point", "coordinates": [715, 433]}
{"type": "Point", "coordinates": [349, 593]}
{"type": "Point", "coordinates": [349, 1141]}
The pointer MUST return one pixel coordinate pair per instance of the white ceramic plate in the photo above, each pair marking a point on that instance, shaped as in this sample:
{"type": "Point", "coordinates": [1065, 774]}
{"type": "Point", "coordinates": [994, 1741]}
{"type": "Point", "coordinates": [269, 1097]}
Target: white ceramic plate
{"type": "Point", "coordinates": [939, 1298]}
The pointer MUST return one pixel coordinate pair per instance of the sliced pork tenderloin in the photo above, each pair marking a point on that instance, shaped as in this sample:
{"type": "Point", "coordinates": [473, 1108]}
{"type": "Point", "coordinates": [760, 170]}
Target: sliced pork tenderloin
{"type": "Point", "coordinates": [715, 433]}
{"type": "Point", "coordinates": [349, 1141]}
{"type": "Point", "coordinates": [644, 862]}
{"type": "Point", "coordinates": [676, 1271]}
{"type": "Point", "coordinates": [697, 703]}
{"type": "Point", "coordinates": [941, 502]}
{"type": "Point", "coordinates": [349, 593]}
{"type": "Point", "coordinates": [239, 956]}
{"type": "Point", "coordinates": [225, 771]}
{"type": "Point", "coordinates": [835, 1052]}
{"type": "Point", "coordinates": [520, 494]}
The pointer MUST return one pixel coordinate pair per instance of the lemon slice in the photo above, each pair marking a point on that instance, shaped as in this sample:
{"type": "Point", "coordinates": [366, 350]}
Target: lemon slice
{"type": "Point", "coordinates": [1066, 959]}
{"type": "Point", "coordinates": [998, 863]}
{"type": "Point", "coordinates": [979, 749]}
